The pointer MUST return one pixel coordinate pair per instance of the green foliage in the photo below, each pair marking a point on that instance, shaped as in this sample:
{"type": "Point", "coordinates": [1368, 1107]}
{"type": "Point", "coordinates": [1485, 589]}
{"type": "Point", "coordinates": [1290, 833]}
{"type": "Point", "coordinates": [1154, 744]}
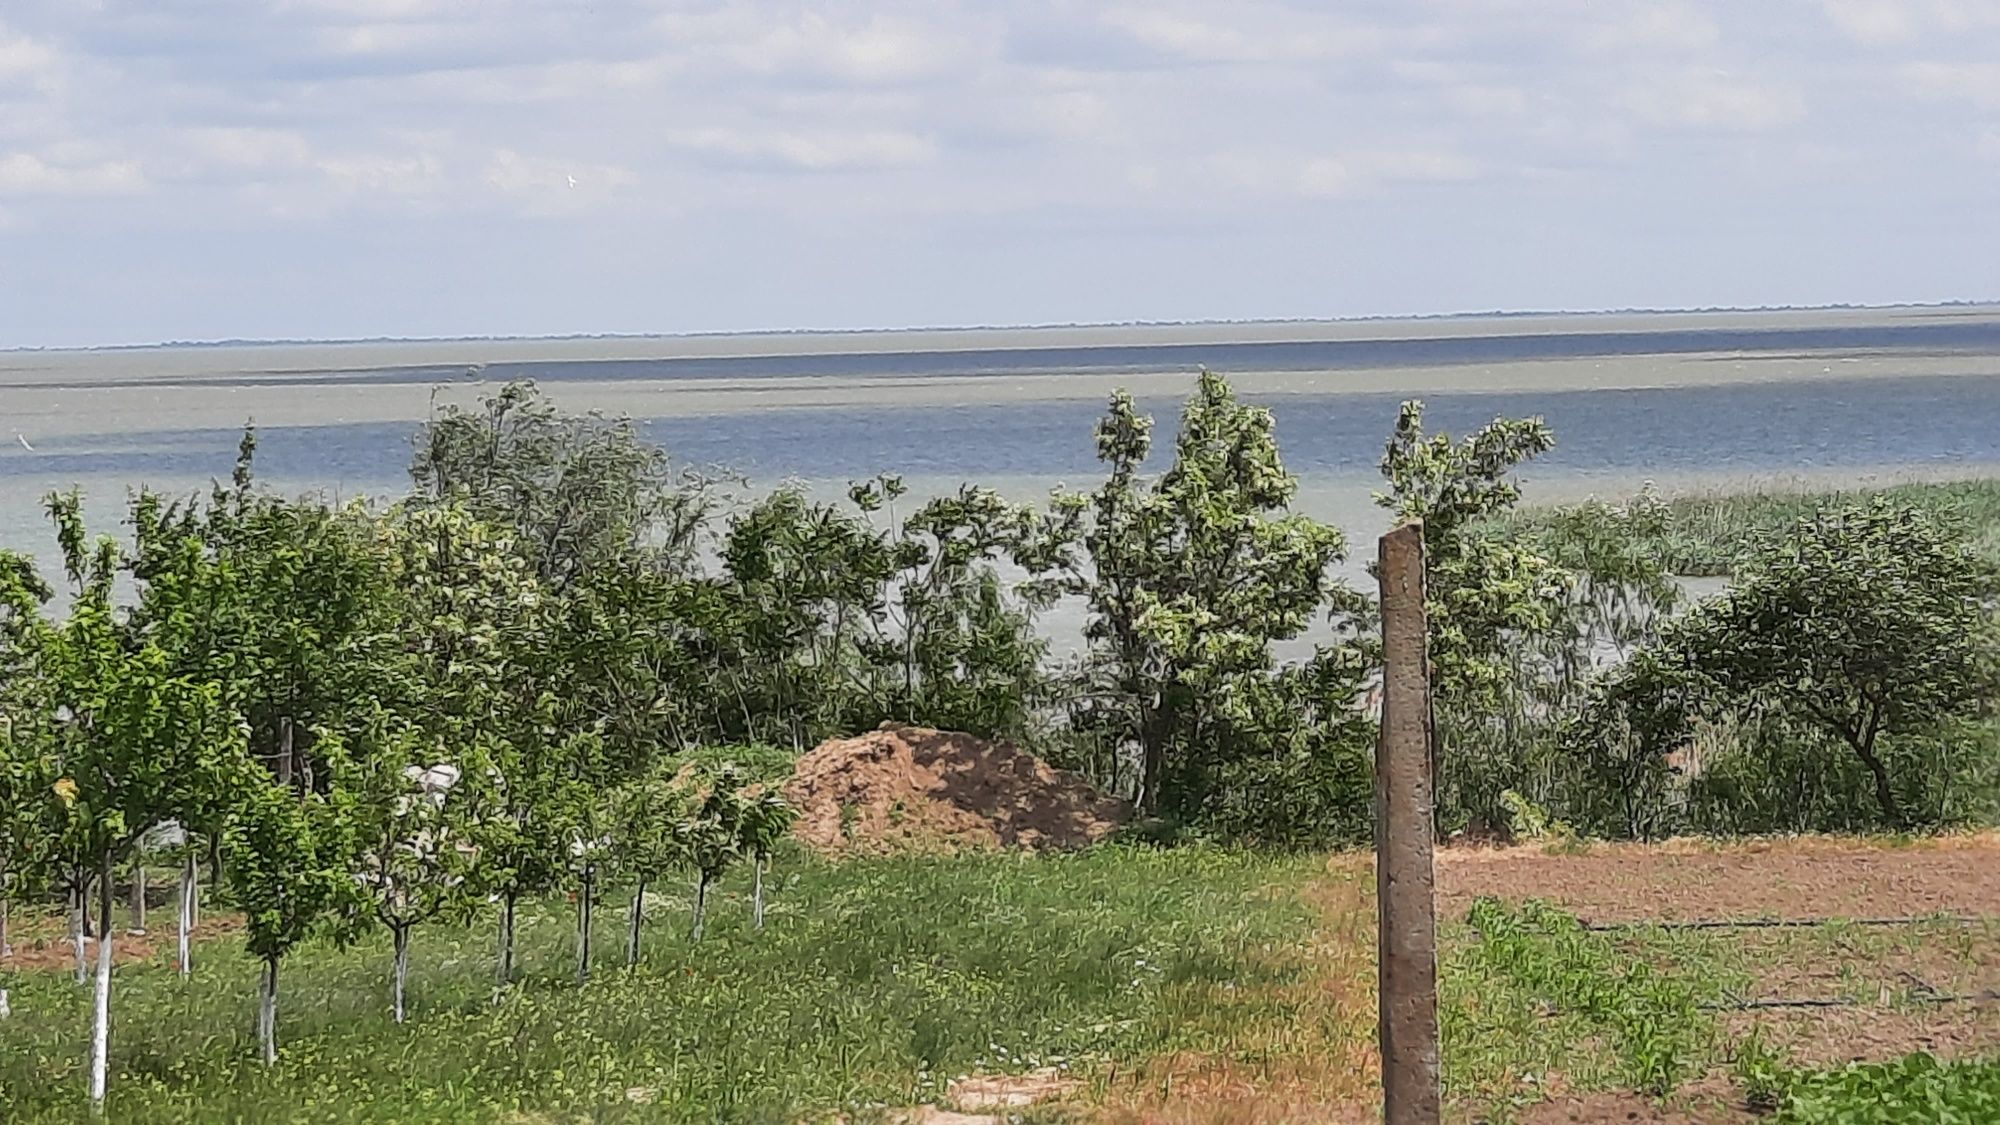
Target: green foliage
{"type": "Point", "coordinates": [1536, 976]}
{"type": "Point", "coordinates": [1484, 595]}
{"type": "Point", "coordinates": [577, 490]}
{"type": "Point", "coordinates": [1188, 581]}
{"type": "Point", "coordinates": [1707, 534]}
{"type": "Point", "coordinates": [1860, 625]}
{"type": "Point", "coordinates": [1915, 1088]}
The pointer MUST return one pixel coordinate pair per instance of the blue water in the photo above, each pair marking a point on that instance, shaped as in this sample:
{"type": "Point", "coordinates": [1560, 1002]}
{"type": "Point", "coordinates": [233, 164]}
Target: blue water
{"type": "Point", "coordinates": [1927, 423]}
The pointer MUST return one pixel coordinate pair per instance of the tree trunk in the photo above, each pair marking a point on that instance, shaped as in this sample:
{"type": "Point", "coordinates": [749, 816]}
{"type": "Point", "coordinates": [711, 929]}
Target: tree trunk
{"type": "Point", "coordinates": [700, 904]}
{"type": "Point", "coordinates": [287, 761]}
{"type": "Point", "coordinates": [1884, 796]}
{"type": "Point", "coordinates": [100, 1027]}
{"type": "Point", "coordinates": [638, 915]}
{"type": "Point", "coordinates": [78, 923]}
{"type": "Point", "coordinates": [757, 892]}
{"type": "Point", "coordinates": [402, 934]}
{"type": "Point", "coordinates": [214, 860]}
{"type": "Point", "coordinates": [583, 905]}
{"type": "Point", "coordinates": [507, 938]}
{"type": "Point", "coordinates": [6, 936]}
{"type": "Point", "coordinates": [185, 936]}
{"type": "Point", "coordinates": [267, 1012]}
{"type": "Point", "coordinates": [138, 895]}
{"type": "Point", "coordinates": [1863, 742]}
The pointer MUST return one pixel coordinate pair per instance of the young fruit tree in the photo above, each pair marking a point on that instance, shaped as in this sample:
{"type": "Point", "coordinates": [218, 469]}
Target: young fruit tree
{"type": "Point", "coordinates": [712, 834]}
{"type": "Point", "coordinates": [766, 818]}
{"type": "Point", "coordinates": [647, 819]}
{"type": "Point", "coordinates": [130, 743]}
{"type": "Point", "coordinates": [288, 862]}
{"type": "Point", "coordinates": [410, 823]}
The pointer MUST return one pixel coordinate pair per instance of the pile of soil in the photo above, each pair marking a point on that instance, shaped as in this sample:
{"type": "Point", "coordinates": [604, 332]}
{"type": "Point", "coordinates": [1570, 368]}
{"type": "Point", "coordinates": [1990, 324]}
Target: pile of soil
{"type": "Point", "coordinates": [912, 788]}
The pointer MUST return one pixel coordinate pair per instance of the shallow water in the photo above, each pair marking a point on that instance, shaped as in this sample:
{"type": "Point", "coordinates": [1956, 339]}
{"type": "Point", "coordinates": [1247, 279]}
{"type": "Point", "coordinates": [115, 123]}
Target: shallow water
{"type": "Point", "coordinates": [1687, 400]}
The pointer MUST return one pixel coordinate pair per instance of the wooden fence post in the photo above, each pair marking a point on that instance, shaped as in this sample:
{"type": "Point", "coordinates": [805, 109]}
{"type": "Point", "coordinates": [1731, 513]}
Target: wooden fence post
{"type": "Point", "coordinates": [1404, 881]}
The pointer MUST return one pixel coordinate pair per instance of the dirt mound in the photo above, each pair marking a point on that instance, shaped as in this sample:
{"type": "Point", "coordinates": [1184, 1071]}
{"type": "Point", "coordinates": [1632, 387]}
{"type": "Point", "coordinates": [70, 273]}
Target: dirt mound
{"type": "Point", "coordinates": [912, 788]}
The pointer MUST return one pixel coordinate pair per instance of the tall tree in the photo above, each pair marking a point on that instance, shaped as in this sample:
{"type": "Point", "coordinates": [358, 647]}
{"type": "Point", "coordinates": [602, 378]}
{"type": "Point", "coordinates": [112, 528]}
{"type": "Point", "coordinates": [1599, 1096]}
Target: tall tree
{"type": "Point", "coordinates": [1188, 580]}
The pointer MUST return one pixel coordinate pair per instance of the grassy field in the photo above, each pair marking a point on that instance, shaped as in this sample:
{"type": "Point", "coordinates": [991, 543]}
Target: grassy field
{"type": "Point", "coordinates": [1708, 531]}
{"type": "Point", "coordinates": [1186, 985]}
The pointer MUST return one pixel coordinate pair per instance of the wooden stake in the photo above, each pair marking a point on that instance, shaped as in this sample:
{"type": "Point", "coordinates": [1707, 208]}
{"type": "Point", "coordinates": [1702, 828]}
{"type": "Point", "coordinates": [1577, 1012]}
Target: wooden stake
{"type": "Point", "coordinates": [1404, 880]}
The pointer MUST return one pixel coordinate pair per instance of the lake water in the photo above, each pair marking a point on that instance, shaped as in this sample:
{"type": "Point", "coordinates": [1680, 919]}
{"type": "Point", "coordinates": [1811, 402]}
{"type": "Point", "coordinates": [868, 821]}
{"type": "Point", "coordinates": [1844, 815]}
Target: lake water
{"type": "Point", "coordinates": [1692, 400]}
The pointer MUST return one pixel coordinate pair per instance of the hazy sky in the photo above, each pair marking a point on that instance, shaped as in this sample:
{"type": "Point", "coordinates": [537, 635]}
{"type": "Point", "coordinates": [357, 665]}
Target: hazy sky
{"type": "Point", "coordinates": [198, 169]}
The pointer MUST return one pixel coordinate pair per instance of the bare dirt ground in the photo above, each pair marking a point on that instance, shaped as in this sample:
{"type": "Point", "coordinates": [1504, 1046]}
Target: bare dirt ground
{"type": "Point", "coordinates": [1885, 980]}
{"type": "Point", "coordinates": [1693, 880]}
{"type": "Point", "coordinates": [42, 943]}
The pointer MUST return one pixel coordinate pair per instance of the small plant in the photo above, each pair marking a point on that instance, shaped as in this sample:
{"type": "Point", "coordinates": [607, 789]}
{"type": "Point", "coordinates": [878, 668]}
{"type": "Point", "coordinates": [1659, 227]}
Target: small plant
{"type": "Point", "coordinates": [1759, 1071]}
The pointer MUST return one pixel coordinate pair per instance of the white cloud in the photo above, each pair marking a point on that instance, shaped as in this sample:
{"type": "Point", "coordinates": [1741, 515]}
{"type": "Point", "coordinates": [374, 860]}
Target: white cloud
{"type": "Point", "coordinates": [1715, 101]}
{"type": "Point", "coordinates": [1652, 28]}
{"type": "Point", "coordinates": [1347, 174]}
{"type": "Point", "coordinates": [817, 151]}
{"type": "Point", "coordinates": [1879, 23]}
{"type": "Point", "coordinates": [25, 173]}
{"type": "Point", "coordinates": [1874, 22]}
{"type": "Point", "coordinates": [26, 62]}
{"type": "Point", "coordinates": [1977, 83]}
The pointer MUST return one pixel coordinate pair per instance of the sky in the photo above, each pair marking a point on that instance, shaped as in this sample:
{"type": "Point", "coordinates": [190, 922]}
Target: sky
{"type": "Point", "coordinates": [224, 169]}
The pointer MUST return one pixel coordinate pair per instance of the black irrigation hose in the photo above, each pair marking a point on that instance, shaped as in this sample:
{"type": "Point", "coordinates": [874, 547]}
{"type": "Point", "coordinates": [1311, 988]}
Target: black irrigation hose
{"type": "Point", "coordinates": [1776, 923]}
{"type": "Point", "coordinates": [1987, 996]}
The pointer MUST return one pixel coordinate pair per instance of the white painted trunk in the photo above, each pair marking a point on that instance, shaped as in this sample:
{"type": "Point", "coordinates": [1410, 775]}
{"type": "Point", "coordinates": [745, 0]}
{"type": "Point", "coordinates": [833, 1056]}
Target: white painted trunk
{"type": "Point", "coordinates": [185, 926]}
{"type": "Point", "coordinates": [76, 935]}
{"type": "Point", "coordinates": [506, 941]}
{"type": "Point", "coordinates": [6, 1008]}
{"type": "Point", "coordinates": [138, 897]}
{"type": "Point", "coordinates": [100, 1025]}
{"type": "Point", "coordinates": [267, 1013]}
{"type": "Point", "coordinates": [6, 936]}
{"type": "Point", "coordinates": [638, 916]}
{"type": "Point", "coordinates": [757, 892]}
{"type": "Point", "coordinates": [402, 967]}
{"type": "Point", "coordinates": [585, 900]}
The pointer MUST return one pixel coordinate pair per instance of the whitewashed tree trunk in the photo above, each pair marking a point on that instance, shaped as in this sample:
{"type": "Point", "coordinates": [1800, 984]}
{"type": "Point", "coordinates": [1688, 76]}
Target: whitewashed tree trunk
{"type": "Point", "coordinates": [185, 927]}
{"type": "Point", "coordinates": [139, 895]}
{"type": "Point", "coordinates": [76, 927]}
{"type": "Point", "coordinates": [757, 892]}
{"type": "Point", "coordinates": [638, 916]}
{"type": "Point", "coordinates": [584, 904]}
{"type": "Point", "coordinates": [700, 905]}
{"type": "Point", "coordinates": [267, 1012]}
{"type": "Point", "coordinates": [402, 932]}
{"type": "Point", "coordinates": [506, 939]}
{"type": "Point", "coordinates": [100, 1026]}
{"type": "Point", "coordinates": [6, 1007]}
{"type": "Point", "coordinates": [6, 934]}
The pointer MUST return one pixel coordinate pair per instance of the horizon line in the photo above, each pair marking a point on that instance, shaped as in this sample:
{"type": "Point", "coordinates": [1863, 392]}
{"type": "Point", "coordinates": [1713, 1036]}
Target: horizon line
{"type": "Point", "coordinates": [697, 334]}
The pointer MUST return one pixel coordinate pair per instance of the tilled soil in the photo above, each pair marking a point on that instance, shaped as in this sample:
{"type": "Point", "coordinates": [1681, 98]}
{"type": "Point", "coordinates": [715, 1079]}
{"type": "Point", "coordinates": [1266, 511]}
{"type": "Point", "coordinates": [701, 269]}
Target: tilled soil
{"type": "Point", "coordinates": [1685, 881]}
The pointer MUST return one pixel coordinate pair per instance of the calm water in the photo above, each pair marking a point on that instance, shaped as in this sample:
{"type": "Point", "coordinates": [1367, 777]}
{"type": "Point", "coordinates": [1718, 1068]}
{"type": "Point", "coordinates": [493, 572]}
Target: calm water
{"type": "Point", "coordinates": [1688, 400]}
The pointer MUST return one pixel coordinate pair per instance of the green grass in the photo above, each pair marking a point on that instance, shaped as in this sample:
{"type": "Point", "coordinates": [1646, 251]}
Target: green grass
{"type": "Point", "coordinates": [874, 983]}
{"type": "Point", "coordinates": [1707, 532]}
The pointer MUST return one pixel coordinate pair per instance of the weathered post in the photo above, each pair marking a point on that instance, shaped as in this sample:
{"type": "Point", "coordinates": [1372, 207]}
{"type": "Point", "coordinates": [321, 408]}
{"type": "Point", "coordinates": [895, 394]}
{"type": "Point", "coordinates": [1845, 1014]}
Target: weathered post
{"type": "Point", "coordinates": [1404, 882]}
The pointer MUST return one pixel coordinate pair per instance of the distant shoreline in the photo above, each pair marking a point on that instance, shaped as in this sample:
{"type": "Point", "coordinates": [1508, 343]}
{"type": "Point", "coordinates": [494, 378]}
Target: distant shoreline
{"type": "Point", "coordinates": [917, 330]}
